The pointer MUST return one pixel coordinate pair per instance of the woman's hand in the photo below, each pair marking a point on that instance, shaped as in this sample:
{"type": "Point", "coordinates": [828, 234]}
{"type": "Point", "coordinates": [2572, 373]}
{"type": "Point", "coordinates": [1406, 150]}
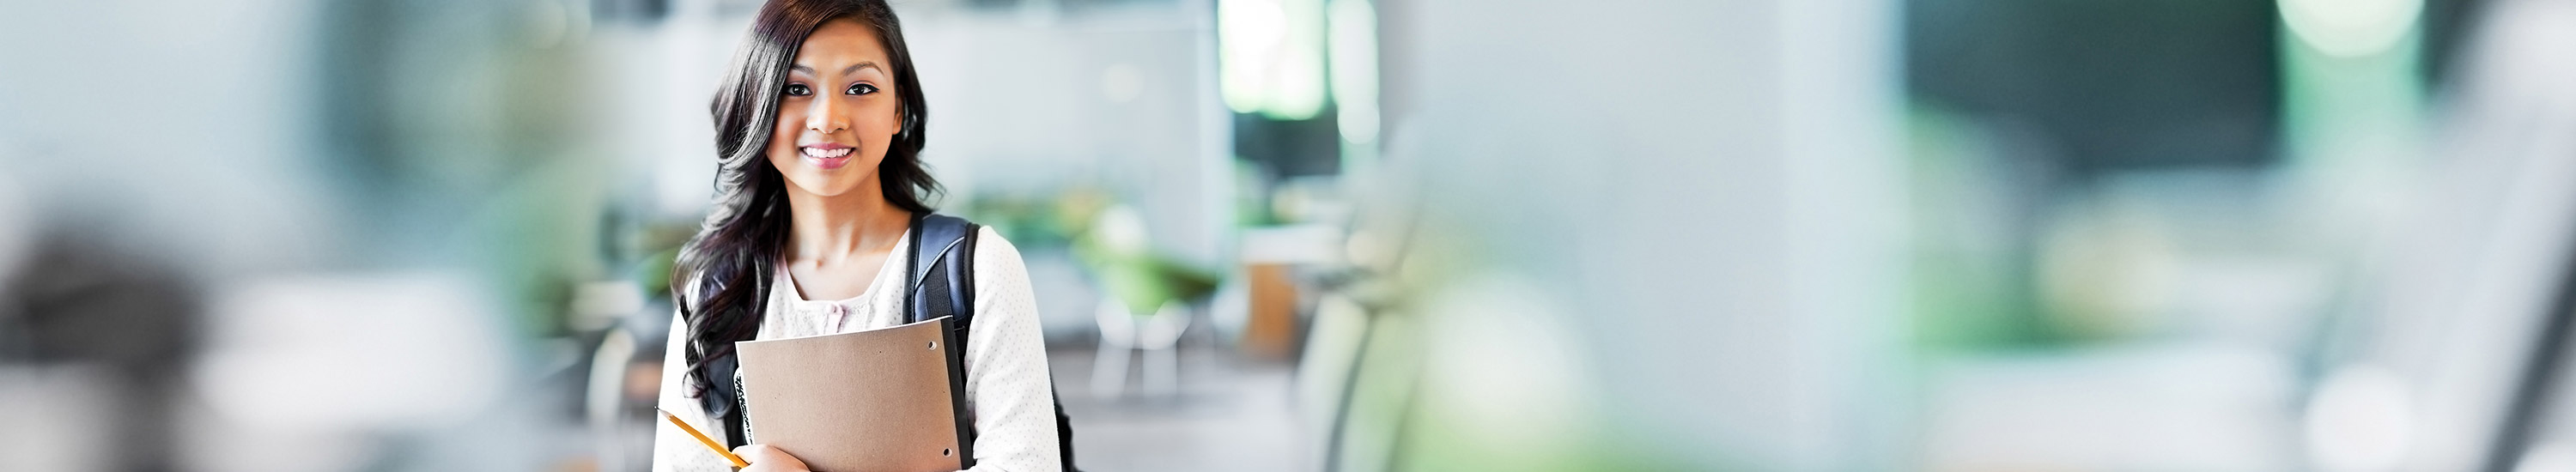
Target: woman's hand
{"type": "Point", "coordinates": [768, 459]}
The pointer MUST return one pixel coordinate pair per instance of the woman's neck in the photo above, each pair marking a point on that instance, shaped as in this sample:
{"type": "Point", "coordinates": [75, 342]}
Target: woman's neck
{"type": "Point", "coordinates": [829, 229]}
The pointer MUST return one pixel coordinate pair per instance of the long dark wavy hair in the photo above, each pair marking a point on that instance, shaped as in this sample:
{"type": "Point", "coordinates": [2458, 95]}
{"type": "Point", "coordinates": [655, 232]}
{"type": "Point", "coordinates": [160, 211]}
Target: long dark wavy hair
{"type": "Point", "coordinates": [728, 265]}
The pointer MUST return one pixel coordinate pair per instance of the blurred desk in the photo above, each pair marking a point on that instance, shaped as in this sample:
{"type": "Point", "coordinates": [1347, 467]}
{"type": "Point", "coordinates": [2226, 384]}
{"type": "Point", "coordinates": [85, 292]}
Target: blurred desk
{"type": "Point", "coordinates": [1270, 257]}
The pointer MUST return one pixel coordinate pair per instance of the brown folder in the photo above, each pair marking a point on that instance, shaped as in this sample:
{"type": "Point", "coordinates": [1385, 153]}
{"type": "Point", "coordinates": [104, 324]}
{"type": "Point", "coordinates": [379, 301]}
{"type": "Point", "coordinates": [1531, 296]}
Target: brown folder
{"type": "Point", "coordinates": [890, 400]}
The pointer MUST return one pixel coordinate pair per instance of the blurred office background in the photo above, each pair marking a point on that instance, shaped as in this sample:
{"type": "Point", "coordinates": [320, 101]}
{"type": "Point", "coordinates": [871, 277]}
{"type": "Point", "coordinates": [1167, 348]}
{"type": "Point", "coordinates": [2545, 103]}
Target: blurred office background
{"type": "Point", "coordinates": [1346, 235]}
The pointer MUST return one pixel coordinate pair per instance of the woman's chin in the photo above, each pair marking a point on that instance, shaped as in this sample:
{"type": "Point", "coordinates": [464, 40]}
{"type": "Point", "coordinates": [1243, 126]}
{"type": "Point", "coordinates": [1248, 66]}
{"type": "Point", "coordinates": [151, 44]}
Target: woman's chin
{"type": "Point", "coordinates": [826, 184]}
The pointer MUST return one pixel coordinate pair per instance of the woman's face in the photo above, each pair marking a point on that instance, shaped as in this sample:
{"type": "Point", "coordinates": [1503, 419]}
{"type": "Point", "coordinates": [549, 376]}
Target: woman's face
{"type": "Point", "coordinates": [836, 112]}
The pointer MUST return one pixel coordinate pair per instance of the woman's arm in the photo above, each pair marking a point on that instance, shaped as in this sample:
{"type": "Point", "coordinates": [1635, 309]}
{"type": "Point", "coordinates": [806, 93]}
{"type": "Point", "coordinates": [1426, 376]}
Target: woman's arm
{"type": "Point", "coordinates": [675, 450]}
{"type": "Point", "coordinates": [1006, 366]}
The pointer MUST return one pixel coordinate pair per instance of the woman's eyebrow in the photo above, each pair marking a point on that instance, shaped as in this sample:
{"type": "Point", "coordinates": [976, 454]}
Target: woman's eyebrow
{"type": "Point", "coordinates": [852, 69]}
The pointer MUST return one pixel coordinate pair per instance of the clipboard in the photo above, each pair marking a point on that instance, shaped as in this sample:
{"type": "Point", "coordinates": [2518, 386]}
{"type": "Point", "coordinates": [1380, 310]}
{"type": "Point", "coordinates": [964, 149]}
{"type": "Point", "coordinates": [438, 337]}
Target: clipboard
{"type": "Point", "coordinates": [890, 399]}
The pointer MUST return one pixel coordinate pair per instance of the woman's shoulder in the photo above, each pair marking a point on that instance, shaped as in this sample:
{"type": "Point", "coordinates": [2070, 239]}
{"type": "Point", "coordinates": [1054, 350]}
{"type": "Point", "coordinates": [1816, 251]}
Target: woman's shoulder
{"type": "Point", "coordinates": [991, 248]}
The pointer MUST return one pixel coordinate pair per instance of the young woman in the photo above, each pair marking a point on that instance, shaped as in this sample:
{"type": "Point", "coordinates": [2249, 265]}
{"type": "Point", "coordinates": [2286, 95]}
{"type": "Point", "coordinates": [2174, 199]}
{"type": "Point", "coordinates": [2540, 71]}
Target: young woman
{"type": "Point", "coordinates": [818, 141]}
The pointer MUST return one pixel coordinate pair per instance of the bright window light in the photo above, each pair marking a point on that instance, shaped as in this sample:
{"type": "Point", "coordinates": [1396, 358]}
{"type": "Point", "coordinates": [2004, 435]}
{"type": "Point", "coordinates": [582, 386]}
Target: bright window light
{"type": "Point", "coordinates": [2351, 28]}
{"type": "Point", "coordinates": [1270, 57]}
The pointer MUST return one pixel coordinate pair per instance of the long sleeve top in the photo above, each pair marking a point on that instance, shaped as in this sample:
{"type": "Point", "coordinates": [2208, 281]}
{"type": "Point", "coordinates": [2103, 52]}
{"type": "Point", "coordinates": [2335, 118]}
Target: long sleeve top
{"type": "Point", "coordinates": [1007, 383]}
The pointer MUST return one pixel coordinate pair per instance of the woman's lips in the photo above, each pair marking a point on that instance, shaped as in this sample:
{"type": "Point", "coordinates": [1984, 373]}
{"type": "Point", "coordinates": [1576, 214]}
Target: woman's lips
{"type": "Point", "coordinates": [827, 155]}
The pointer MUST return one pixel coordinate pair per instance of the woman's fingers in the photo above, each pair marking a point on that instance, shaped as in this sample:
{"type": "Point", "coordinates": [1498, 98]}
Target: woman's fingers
{"type": "Point", "coordinates": [764, 458]}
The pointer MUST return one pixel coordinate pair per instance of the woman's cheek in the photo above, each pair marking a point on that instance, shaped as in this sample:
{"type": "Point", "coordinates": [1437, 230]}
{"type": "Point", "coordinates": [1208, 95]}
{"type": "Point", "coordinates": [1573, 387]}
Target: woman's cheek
{"type": "Point", "coordinates": [789, 124]}
{"type": "Point", "coordinates": [891, 122]}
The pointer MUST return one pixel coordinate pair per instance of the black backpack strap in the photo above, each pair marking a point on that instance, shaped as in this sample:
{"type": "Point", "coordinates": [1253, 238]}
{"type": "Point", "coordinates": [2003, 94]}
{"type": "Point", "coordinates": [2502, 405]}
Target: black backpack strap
{"type": "Point", "coordinates": [939, 282]}
{"type": "Point", "coordinates": [722, 402]}
{"type": "Point", "coordinates": [942, 277]}
{"type": "Point", "coordinates": [943, 284]}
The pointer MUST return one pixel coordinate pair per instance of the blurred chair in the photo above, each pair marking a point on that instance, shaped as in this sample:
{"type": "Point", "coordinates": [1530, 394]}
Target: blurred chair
{"type": "Point", "coordinates": [624, 379]}
{"type": "Point", "coordinates": [620, 392]}
{"type": "Point", "coordinates": [1114, 250]}
{"type": "Point", "coordinates": [2470, 318]}
{"type": "Point", "coordinates": [1359, 354]}
{"type": "Point", "coordinates": [94, 343]}
{"type": "Point", "coordinates": [1123, 331]}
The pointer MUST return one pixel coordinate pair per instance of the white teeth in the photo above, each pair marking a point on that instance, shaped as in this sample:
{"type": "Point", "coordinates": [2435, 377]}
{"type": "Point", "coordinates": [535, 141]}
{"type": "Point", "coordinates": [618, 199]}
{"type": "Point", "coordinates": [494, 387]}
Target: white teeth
{"type": "Point", "coordinates": [824, 154]}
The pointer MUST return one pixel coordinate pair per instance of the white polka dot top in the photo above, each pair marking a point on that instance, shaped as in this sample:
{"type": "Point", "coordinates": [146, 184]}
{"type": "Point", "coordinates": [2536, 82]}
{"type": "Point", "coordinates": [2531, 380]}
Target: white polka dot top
{"type": "Point", "coordinates": [1007, 383]}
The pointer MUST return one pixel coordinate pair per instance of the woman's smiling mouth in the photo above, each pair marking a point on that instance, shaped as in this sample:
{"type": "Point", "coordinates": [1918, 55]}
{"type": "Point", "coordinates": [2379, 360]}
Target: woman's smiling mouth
{"type": "Point", "coordinates": [827, 155]}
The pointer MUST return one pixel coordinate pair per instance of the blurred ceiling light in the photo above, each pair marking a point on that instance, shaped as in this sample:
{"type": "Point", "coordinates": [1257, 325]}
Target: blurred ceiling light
{"type": "Point", "coordinates": [1270, 57]}
{"type": "Point", "coordinates": [1120, 83]}
{"type": "Point", "coordinates": [2351, 28]}
{"type": "Point", "coordinates": [2358, 421]}
{"type": "Point", "coordinates": [1353, 37]}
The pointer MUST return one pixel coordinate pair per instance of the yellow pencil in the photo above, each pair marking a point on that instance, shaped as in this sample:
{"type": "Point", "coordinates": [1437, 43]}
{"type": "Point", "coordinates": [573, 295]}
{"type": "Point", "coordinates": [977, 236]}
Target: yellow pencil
{"type": "Point", "coordinates": [702, 439]}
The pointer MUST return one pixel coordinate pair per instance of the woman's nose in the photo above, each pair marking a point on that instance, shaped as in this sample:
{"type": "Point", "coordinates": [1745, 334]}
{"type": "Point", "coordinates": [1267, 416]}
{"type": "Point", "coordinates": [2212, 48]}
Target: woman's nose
{"type": "Point", "coordinates": [827, 115]}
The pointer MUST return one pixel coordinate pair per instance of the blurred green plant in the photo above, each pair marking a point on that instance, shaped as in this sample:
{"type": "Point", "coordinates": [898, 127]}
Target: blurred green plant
{"type": "Point", "coordinates": [1106, 239]}
{"type": "Point", "coordinates": [1113, 247]}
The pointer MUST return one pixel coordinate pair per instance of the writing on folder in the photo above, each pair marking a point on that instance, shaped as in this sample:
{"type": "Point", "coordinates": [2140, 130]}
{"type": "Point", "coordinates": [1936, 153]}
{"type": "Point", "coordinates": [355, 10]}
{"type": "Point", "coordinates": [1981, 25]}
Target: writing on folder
{"type": "Point", "coordinates": [890, 399]}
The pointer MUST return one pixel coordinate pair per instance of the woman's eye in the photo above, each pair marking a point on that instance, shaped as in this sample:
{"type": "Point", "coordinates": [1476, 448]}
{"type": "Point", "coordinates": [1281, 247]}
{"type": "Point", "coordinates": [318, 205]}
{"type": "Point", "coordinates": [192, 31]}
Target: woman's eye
{"type": "Point", "coordinates": [862, 89]}
{"type": "Point", "coordinates": [799, 90]}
